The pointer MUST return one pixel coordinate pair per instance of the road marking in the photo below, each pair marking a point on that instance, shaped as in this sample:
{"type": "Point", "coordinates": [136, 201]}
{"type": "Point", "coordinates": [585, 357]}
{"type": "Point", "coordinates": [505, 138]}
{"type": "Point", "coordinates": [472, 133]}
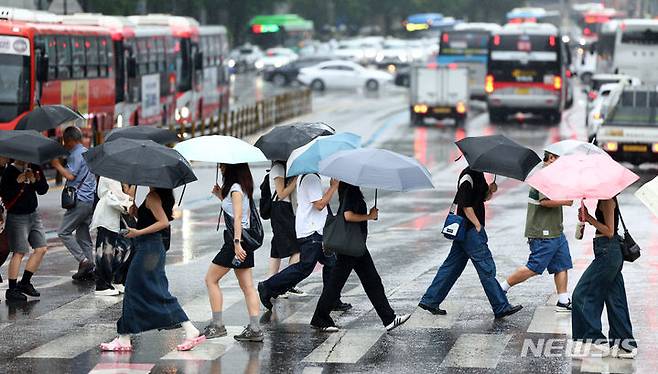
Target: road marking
{"type": "Point", "coordinates": [345, 346]}
{"type": "Point", "coordinates": [422, 319]}
{"type": "Point", "coordinates": [304, 314]}
{"type": "Point", "coordinates": [69, 346]}
{"type": "Point", "coordinates": [476, 351]}
{"type": "Point", "coordinates": [312, 370]}
{"type": "Point", "coordinates": [546, 320]}
{"type": "Point", "coordinates": [198, 310]}
{"type": "Point", "coordinates": [209, 350]}
{"type": "Point", "coordinates": [123, 368]}
{"type": "Point", "coordinates": [606, 365]}
{"type": "Point", "coordinates": [82, 307]}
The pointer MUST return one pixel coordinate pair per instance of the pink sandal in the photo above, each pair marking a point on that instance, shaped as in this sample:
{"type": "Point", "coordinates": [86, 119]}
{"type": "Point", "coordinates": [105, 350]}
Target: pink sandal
{"type": "Point", "coordinates": [116, 346]}
{"type": "Point", "coordinates": [188, 343]}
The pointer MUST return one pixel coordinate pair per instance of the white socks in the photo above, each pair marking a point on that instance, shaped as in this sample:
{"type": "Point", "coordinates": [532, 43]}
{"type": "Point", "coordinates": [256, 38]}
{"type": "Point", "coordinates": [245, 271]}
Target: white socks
{"type": "Point", "coordinates": [505, 286]}
{"type": "Point", "coordinates": [191, 332]}
{"type": "Point", "coordinates": [563, 298]}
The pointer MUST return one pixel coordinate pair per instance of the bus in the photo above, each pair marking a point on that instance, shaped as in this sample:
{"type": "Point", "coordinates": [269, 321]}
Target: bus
{"type": "Point", "coordinates": [527, 14]}
{"type": "Point", "coordinates": [593, 20]}
{"type": "Point", "coordinates": [526, 72]}
{"type": "Point", "coordinates": [636, 49]}
{"type": "Point", "coordinates": [466, 46]}
{"type": "Point", "coordinates": [216, 77]}
{"type": "Point", "coordinates": [53, 63]}
{"type": "Point", "coordinates": [276, 30]}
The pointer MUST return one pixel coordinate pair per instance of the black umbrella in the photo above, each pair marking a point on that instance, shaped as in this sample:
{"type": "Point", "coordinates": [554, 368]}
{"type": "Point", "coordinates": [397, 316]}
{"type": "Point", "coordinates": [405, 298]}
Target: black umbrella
{"type": "Point", "coordinates": [498, 155]}
{"type": "Point", "coordinates": [141, 163]}
{"type": "Point", "coordinates": [48, 117]}
{"type": "Point", "coordinates": [282, 140]}
{"type": "Point", "coordinates": [158, 135]}
{"type": "Point", "coordinates": [29, 146]}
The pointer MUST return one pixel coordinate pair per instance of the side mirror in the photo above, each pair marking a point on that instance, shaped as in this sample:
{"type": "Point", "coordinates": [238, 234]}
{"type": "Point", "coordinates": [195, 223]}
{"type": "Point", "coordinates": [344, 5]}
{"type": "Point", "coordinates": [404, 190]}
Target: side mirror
{"type": "Point", "coordinates": [42, 68]}
{"type": "Point", "coordinates": [131, 67]}
{"type": "Point", "coordinates": [198, 61]}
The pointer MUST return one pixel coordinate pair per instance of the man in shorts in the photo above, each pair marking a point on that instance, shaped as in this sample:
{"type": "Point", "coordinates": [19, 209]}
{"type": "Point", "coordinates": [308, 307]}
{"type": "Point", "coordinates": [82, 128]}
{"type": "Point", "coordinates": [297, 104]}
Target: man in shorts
{"type": "Point", "coordinates": [549, 249]}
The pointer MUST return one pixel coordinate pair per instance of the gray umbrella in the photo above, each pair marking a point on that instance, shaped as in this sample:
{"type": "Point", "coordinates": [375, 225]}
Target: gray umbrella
{"type": "Point", "coordinates": [29, 146]}
{"type": "Point", "coordinates": [377, 168]}
{"type": "Point", "coordinates": [158, 135]}
{"type": "Point", "coordinates": [141, 163]}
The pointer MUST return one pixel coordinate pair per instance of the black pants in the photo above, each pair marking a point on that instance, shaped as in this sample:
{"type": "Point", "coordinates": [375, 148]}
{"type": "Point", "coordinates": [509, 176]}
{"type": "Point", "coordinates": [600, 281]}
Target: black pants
{"type": "Point", "coordinates": [372, 284]}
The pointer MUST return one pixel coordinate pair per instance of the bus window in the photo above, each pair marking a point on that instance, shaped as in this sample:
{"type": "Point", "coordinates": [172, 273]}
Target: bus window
{"type": "Point", "coordinates": [104, 56]}
{"type": "Point", "coordinates": [142, 57]}
{"type": "Point", "coordinates": [78, 56]}
{"type": "Point", "coordinates": [63, 57]}
{"type": "Point", "coordinates": [160, 52]}
{"type": "Point", "coordinates": [48, 41]}
{"type": "Point", "coordinates": [91, 47]}
{"type": "Point", "coordinates": [646, 37]}
{"type": "Point", "coordinates": [153, 55]}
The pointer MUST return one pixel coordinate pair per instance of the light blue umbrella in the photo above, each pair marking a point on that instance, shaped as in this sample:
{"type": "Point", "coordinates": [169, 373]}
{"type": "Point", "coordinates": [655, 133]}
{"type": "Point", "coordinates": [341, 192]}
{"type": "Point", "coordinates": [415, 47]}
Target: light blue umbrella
{"type": "Point", "coordinates": [306, 159]}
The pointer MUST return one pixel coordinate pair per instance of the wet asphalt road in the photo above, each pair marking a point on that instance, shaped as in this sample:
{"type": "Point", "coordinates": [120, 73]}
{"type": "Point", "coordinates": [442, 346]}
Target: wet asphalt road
{"type": "Point", "coordinates": [60, 332]}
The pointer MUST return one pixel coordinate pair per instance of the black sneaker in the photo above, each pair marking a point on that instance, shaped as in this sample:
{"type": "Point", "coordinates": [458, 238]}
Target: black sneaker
{"type": "Point", "coordinates": [342, 307]}
{"type": "Point", "coordinates": [213, 331]}
{"type": "Point", "coordinates": [296, 292]}
{"type": "Point", "coordinates": [85, 271]}
{"type": "Point", "coordinates": [563, 308]}
{"type": "Point", "coordinates": [27, 289]}
{"type": "Point", "coordinates": [433, 310]}
{"type": "Point", "coordinates": [399, 320]}
{"type": "Point", "coordinates": [509, 312]}
{"type": "Point", "coordinates": [13, 294]}
{"type": "Point", "coordinates": [250, 335]}
{"type": "Point", "coordinates": [264, 296]}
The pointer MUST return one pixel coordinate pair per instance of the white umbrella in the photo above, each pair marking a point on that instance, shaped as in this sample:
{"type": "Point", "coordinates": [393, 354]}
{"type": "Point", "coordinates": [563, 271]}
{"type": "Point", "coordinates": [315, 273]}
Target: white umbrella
{"type": "Point", "coordinates": [220, 149]}
{"type": "Point", "coordinates": [648, 194]}
{"type": "Point", "coordinates": [573, 147]}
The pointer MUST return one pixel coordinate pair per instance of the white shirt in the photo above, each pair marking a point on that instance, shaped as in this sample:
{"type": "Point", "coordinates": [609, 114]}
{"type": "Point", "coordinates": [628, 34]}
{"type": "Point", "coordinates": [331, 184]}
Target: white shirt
{"type": "Point", "coordinates": [278, 171]}
{"type": "Point", "coordinates": [308, 219]}
{"type": "Point", "coordinates": [227, 204]}
{"type": "Point", "coordinates": [111, 204]}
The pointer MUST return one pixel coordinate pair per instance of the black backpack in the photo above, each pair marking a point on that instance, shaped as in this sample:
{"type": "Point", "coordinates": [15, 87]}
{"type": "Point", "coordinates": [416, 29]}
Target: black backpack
{"type": "Point", "coordinates": [266, 197]}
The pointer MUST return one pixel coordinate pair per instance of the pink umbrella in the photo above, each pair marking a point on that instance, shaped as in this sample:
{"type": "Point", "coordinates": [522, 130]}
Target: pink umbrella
{"type": "Point", "coordinates": [573, 177]}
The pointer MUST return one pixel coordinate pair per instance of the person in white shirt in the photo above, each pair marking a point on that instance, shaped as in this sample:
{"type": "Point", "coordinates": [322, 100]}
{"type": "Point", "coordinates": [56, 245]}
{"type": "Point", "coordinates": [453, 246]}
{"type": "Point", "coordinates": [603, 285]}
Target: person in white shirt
{"type": "Point", "coordinates": [309, 223]}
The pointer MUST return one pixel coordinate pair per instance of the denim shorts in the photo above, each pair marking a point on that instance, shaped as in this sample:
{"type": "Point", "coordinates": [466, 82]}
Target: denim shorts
{"type": "Point", "coordinates": [549, 254]}
{"type": "Point", "coordinates": [25, 231]}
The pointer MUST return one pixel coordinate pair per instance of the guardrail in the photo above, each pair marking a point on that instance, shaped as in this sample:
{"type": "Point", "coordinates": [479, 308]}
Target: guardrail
{"type": "Point", "coordinates": [252, 118]}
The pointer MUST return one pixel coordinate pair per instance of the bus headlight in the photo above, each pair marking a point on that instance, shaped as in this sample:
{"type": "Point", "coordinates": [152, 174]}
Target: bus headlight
{"type": "Point", "coordinates": [120, 120]}
{"type": "Point", "coordinates": [461, 108]}
{"type": "Point", "coordinates": [184, 112]}
{"type": "Point", "coordinates": [177, 115]}
{"type": "Point", "coordinates": [420, 108]}
{"type": "Point", "coordinates": [611, 146]}
{"type": "Point", "coordinates": [259, 64]}
{"type": "Point", "coordinates": [231, 63]}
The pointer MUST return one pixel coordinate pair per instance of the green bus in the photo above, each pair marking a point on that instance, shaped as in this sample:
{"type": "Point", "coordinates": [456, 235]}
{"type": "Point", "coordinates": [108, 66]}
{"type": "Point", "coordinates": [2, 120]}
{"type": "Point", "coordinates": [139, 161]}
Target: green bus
{"type": "Point", "coordinates": [288, 30]}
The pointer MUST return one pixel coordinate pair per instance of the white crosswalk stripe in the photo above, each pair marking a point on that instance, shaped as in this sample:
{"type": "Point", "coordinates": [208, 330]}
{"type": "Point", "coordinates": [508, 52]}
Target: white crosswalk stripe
{"type": "Point", "coordinates": [546, 321]}
{"type": "Point", "coordinates": [82, 307]}
{"type": "Point", "coordinates": [210, 350]}
{"type": "Point", "coordinates": [198, 309]}
{"type": "Point", "coordinates": [345, 346]}
{"type": "Point", "coordinates": [476, 351]}
{"type": "Point", "coordinates": [422, 319]}
{"type": "Point", "coordinates": [75, 343]}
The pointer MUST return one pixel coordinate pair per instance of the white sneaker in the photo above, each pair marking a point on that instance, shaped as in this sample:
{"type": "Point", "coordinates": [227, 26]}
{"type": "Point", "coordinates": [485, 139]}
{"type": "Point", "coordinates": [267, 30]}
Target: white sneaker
{"type": "Point", "coordinates": [399, 320]}
{"type": "Point", "coordinates": [296, 292]}
{"type": "Point", "coordinates": [622, 353]}
{"type": "Point", "coordinates": [107, 292]}
{"type": "Point", "coordinates": [582, 350]}
{"type": "Point", "coordinates": [119, 287]}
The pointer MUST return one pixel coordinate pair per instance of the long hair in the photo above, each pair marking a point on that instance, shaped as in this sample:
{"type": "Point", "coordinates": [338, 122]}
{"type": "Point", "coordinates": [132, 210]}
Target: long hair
{"type": "Point", "coordinates": [240, 174]}
{"type": "Point", "coordinates": [168, 201]}
{"type": "Point", "coordinates": [346, 188]}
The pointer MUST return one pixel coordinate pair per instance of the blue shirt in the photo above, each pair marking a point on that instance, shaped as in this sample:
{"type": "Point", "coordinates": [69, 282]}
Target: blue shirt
{"type": "Point", "coordinates": [78, 167]}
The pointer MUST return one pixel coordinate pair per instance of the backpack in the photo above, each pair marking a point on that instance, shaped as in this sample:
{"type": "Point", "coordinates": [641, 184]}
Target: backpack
{"type": "Point", "coordinates": [266, 197]}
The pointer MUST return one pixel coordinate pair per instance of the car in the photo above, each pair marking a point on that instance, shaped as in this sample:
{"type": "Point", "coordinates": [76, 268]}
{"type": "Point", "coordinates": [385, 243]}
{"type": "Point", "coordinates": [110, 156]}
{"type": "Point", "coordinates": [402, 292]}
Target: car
{"type": "Point", "coordinates": [403, 76]}
{"type": "Point", "coordinates": [599, 109]}
{"type": "Point", "coordinates": [277, 57]}
{"type": "Point", "coordinates": [349, 50]}
{"type": "Point", "coordinates": [599, 80]}
{"type": "Point", "coordinates": [342, 74]}
{"type": "Point", "coordinates": [286, 74]}
{"type": "Point", "coordinates": [245, 58]}
{"type": "Point", "coordinates": [393, 52]}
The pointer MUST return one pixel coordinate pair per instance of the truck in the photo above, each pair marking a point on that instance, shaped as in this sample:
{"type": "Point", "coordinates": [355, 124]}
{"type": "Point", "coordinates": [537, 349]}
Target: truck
{"type": "Point", "coordinates": [439, 92]}
{"type": "Point", "coordinates": [630, 130]}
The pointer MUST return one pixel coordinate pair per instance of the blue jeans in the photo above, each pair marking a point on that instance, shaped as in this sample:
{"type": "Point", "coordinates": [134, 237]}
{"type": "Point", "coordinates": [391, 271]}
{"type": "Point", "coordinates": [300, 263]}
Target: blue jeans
{"type": "Point", "coordinates": [602, 284]}
{"type": "Point", "coordinates": [475, 248]}
{"type": "Point", "coordinates": [549, 254]}
{"type": "Point", "coordinates": [310, 253]}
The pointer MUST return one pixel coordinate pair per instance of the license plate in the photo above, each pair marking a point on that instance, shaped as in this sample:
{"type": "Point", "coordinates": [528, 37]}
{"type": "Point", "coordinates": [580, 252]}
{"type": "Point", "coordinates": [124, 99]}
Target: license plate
{"type": "Point", "coordinates": [635, 148]}
{"type": "Point", "coordinates": [522, 91]}
{"type": "Point", "coordinates": [441, 110]}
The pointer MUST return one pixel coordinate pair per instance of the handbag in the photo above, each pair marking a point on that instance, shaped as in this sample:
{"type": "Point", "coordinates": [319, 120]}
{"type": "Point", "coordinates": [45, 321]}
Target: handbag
{"type": "Point", "coordinates": [344, 238]}
{"type": "Point", "coordinates": [454, 227]}
{"type": "Point", "coordinates": [70, 194]}
{"type": "Point", "coordinates": [252, 237]}
{"type": "Point", "coordinates": [629, 248]}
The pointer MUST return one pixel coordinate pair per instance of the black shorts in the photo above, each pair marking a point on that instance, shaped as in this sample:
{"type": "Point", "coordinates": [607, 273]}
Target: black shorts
{"type": "Point", "coordinates": [226, 254]}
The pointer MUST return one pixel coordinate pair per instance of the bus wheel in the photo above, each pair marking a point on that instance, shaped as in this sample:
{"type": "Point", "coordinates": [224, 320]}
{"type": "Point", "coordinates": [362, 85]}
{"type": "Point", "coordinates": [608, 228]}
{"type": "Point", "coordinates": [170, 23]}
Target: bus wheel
{"type": "Point", "coordinates": [554, 117]}
{"type": "Point", "coordinates": [460, 122]}
{"type": "Point", "coordinates": [317, 85]}
{"type": "Point", "coordinates": [496, 115]}
{"type": "Point", "coordinates": [416, 120]}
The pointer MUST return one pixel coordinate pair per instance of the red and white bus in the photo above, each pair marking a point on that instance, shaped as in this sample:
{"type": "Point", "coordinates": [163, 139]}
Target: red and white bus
{"type": "Point", "coordinates": [52, 63]}
{"type": "Point", "coordinates": [216, 78]}
{"type": "Point", "coordinates": [527, 69]}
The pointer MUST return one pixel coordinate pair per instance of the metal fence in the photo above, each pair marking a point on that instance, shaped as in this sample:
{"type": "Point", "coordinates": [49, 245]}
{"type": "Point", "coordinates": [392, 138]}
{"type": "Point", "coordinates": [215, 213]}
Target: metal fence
{"type": "Point", "coordinates": [253, 118]}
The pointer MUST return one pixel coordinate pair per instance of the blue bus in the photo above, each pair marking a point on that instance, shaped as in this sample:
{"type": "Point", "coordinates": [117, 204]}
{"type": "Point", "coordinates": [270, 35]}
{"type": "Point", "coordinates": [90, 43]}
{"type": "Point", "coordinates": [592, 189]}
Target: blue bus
{"type": "Point", "coordinates": [466, 45]}
{"type": "Point", "coordinates": [428, 24]}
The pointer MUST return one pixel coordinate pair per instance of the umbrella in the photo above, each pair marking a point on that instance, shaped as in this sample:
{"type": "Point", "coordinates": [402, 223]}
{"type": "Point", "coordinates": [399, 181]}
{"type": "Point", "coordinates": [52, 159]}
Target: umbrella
{"type": "Point", "coordinates": [306, 159]}
{"type": "Point", "coordinates": [140, 162]}
{"type": "Point", "coordinates": [158, 135]}
{"type": "Point", "coordinates": [29, 146]}
{"type": "Point", "coordinates": [219, 149]}
{"type": "Point", "coordinates": [573, 177]}
{"type": "Point", "coordinates": [278, 144]}
{"type": "Point", "coordinates": [573, 147]}
{"type": "Point", "coordinates": [648, 194]}
{"type": "Point", "coordinates": [377, 168]}
{"type": "Point", "coordinates": [47, 117]}
{"type": "Point", "coordinates": [499, 155]}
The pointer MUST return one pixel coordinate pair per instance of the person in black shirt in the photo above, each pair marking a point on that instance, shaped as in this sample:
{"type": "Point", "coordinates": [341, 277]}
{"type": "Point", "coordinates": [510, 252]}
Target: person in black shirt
{"type": "Point", "coordinates": [356, 213]}
{"type": "Point", "coordinates": [472, 192]}
{"type": "Point", "coordinates": [21, 182]}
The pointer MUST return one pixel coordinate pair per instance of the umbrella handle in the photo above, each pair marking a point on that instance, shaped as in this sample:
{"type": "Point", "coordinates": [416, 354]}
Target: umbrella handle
{"type": "Point", "coordinates": [582, 205]}
{"type": "Point", "coordinates": [376, 202]}
{"type": "Point", "coordinates": [217, 174]}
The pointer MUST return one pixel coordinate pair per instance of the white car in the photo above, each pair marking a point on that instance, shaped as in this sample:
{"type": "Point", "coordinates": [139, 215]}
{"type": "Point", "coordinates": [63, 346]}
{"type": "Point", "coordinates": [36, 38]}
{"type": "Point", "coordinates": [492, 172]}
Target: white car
{"type": "Point", "coordinates": [342, 74]}
{"type": "Point", "coordinates": [599, 109]}
{"type": "Point", "coordinates": [349, 50]}
{"type": "Point", "coordinates": [277, 57]}
{"type": "Point", "coordinates": [394, 51]}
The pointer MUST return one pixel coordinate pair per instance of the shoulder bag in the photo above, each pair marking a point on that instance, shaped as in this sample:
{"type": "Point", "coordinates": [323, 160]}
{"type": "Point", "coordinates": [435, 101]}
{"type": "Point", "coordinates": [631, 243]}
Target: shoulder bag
{"type": "Point", "coordinates": [629, 249]}
{"type": "Point", "coordinates": [344, 238]}
{"type": "Point", "coordinates": [251, 238]}
{"type": "Point", "coordinates": [70, 194]}
{"type": "Point", "coordinates": [454, 227]}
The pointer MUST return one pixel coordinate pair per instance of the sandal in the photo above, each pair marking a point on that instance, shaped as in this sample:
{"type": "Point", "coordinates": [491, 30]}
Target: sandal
{"type": "Point", "coordinates": [116, 346]}
{"type": "Point", "coordinates": [190, 343]}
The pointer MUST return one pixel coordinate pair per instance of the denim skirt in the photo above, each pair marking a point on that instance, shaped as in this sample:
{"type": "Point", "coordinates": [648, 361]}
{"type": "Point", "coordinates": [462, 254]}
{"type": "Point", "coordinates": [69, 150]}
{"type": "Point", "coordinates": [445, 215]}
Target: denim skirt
{"type": "Point", "coordinates": [147, 303]}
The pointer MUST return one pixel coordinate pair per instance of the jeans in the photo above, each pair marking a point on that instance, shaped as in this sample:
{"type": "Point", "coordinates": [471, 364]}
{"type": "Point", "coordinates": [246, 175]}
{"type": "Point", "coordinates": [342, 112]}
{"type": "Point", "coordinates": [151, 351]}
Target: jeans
{"type": "Point", "coordinates": [475, 248]}
{"type": "Point", "coordinates": [310, 253]}
{"type": "Point", "coordinates": [370, 280]}
{"type": "Point", "coordinates": [78, 220]}
{"type": "Point", "coordinates": [602, 284]}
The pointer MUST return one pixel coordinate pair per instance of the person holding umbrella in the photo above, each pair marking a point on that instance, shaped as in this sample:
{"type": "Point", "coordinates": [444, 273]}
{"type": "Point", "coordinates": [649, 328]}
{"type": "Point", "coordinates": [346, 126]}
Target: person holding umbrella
{"type": "Point", "coordinates": [20, 185]}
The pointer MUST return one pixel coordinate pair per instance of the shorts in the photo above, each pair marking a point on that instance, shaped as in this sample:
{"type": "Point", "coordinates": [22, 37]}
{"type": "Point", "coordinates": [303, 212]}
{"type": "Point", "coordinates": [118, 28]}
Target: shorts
{"type": "Point", "coordinates": [25, 231]}
{"type": "Point", "coordinates": [549, 254]}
